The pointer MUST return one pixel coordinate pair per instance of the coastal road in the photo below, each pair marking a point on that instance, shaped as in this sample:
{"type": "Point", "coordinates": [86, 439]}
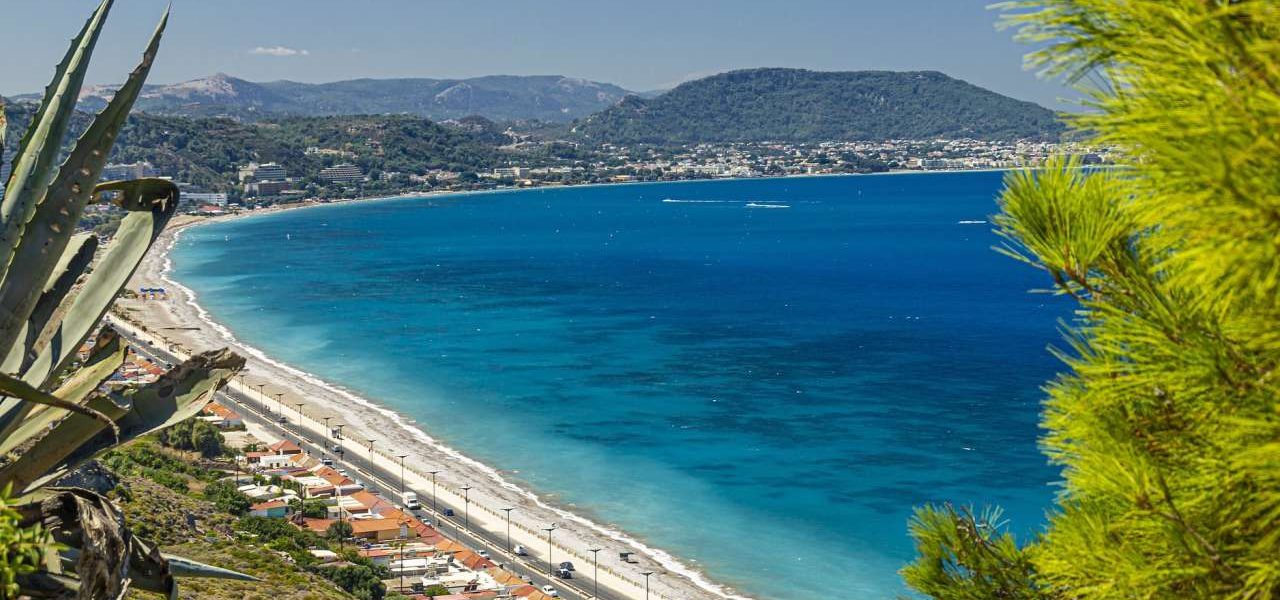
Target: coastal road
{"type": "Point", "coordinates": [386, 484]}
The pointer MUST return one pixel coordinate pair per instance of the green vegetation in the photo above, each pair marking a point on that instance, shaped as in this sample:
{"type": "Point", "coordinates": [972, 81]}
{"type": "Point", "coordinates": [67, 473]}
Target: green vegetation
{"type": "Point", "coordinates": [338, 530]}
{"type": "Point", "coordinates": [194, 435]}
{"type": "Point", "coordinates": [21, 548]}
{"type": "Point", "coordinates": [53, 419]}
{"type": "Point", "coordinates": [796, 105]}
{"type": "Point", "coordinates": [1167, 423]}
{"type": "Point", "coordinates": [227, 498]}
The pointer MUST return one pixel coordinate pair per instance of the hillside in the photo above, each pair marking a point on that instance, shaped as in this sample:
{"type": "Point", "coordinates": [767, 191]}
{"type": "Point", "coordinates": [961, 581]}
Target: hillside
{"type": "Point", "coordinates": [497, 97]}
{"type": "Point", "coordinates": [206, 151]}
{"type": "Point", "coordinates": [797, 105]}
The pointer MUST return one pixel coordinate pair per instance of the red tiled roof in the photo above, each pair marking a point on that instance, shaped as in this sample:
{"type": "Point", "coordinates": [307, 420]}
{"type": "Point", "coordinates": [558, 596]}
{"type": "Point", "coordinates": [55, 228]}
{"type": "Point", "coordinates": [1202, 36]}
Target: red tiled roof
{"type": "Point", "coordinates": [269, 504]}
{"type": "Point", "coordinates": [285, 447]}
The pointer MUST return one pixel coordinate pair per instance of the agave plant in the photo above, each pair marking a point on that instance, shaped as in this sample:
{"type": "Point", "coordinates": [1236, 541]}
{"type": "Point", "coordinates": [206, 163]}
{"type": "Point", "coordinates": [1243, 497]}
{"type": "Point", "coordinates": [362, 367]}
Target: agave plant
{"type": "Point", "coordinates": [54, 290]}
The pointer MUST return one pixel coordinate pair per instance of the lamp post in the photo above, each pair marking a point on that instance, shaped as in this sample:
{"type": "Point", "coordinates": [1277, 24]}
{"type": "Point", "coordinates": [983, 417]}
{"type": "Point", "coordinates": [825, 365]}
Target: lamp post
{"type": "Point", "coordinates": [401, 457]}
{"type": "Point", "coordinates": [549, 530]}
{"type": "Point", "coordinates": [435, 513]}
{"type": "Point", "coordinates": [280, 403]}
{"type": "Point", "coordinates": [326, 428]}
{"type": "Point", "coordinates": [337, 448]}
{"type": "Point", "coordinates": [466, 508]}
{"type": "Point", "coordinates": [646, 583]}
{"type": "Point", "coordinates": [595, 559]}
{"type": "Point", "coordinates": [508, 511]}
{"type": "Point", "coordinates": [300, 404]}
{"type": "Point", "coordinates": [262, 396]}
{"type": "Point", "coordinates": [371, 450]}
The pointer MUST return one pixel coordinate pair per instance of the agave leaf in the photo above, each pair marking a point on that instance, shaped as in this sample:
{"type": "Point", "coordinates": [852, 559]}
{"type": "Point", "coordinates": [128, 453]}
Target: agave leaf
{"type": "Point", "coordinates": [185, 567]}
{"type": "Point", "coordinates": [107, 356]}
{"type": "Point", "coordinates": [4, 129]}
{"type": "Point", "coordinates": [74, 263]}
{"type": "Point", "coordinates": [177, 396]}
{"type": "Point", "coordinates": [18, 352]}
{"type": "Point", "coordinates": [138, 230]}
{"type": "Point", "coordinates": [48, 232]}
{"type": "Point", "coordinates": [96, 545]}
{"type": "Point", "coordinates": [32, 167]}
{"type": "Point", "coordinates": [17, 388]}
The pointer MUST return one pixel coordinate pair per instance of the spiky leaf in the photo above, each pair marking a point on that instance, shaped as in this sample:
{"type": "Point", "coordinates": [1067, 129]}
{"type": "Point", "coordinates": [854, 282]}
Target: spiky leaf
{"type": "Point", "coordinates": [178, 395]}
{"type": "Point", "coordinates": [137, 231]}
{"type": "Point", "coordinates": [56, 214]}
{"type": "Point", "coordinates": [32, 168]}
{"type": "Point", "coordinates": [104, 360]}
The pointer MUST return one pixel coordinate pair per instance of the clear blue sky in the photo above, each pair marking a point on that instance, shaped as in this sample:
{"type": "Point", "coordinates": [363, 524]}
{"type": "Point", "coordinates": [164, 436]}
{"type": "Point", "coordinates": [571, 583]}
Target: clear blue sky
{"type": "Point", "coordinates": [640, 45]}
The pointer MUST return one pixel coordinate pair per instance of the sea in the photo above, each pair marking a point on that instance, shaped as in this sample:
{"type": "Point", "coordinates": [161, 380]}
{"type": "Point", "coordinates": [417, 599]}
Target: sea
{"type": "Point", "coordinates": [763, 377]}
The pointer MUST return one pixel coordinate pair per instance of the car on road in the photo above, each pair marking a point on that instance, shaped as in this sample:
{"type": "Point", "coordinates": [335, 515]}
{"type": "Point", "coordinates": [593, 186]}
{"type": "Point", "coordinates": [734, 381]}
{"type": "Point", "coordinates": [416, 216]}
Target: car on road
{"type": "Point", "coordinates": [483, 553]}
{"type": "Point", "coordinates": [550, 591]}
{"type": "Point", "coordinates": [564, 573]}
{"type": "Point", "coordinates": [568, 566]}
{"type": "Point", "coordinates": [520, 550]}
{"type": "Point", "coordinates": [448, 512]}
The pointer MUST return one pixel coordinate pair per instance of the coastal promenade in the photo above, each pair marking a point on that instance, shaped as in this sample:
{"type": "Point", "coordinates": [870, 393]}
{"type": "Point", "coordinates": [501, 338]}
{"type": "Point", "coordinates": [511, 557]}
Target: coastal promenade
{"type": "Point", "coordinates": [180, 326]}
{"type": "Point", "coordinates": [472, 524]}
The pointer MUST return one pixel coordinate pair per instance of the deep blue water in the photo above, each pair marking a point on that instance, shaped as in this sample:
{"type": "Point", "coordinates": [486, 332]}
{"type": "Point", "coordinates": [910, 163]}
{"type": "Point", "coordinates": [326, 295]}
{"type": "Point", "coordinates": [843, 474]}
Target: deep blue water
{"type": "Point", "coordinates": [766, 391]}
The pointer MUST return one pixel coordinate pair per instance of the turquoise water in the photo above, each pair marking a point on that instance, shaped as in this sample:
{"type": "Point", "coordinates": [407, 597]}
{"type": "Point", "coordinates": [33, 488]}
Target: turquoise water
{"type": "Point", "coordinates": [766, 391]}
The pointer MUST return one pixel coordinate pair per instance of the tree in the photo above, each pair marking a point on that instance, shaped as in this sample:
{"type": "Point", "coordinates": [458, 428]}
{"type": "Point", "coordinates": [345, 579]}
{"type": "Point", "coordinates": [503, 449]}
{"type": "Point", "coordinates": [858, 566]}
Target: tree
{"type": "Point", "coordinates": [227, 498]}
{"type": "Point", "coordinates": [1167, 421]}
{"type": "Point", "coordinates": [436, 590]}
{"type": "Point", "coordinates": [338, 530]}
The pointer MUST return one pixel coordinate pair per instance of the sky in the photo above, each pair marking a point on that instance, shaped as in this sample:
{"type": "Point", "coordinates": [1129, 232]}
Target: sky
{"type": "Point", "coordinates": [640, 45]}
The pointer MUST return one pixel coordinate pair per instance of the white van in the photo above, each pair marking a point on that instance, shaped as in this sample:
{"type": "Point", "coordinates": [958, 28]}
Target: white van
{"type": "Point", "coordinates": [411, 501]}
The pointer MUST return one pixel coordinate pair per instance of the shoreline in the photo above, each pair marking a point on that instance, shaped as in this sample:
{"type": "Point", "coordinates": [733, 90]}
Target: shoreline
{"type": "Point", "coordinates": [277, 208]}
{"type": "Point", "coordinates": [184, 324]}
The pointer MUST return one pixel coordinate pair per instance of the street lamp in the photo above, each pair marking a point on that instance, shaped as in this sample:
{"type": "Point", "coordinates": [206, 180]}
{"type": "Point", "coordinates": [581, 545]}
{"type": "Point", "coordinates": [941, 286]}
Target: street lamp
{"type": "Point", "coordinates": [549, 530]}
{"type": "Point", "coordinates": [646, 583]}
{"type": "Point", "coordinates": [371, 450]}
{"type": "Point", "coordinates": [435, 513]}
{"type": "Point", "coordinates": [466, 508]}
{"type": "Point", "coordinates": [262, 395]}
{"type": "Point", "coordinates": [401, 457]}
{"type": "Point", "coordinates": [280, 403]}
{"type": "Point", "coordinates": [595, 557]}
{"type": "Point", "coordinates": [508, 511]}
{"type": "Point", "coordinates": [300, 404]}
{"type": "Point", "coordinates": [326, 427]}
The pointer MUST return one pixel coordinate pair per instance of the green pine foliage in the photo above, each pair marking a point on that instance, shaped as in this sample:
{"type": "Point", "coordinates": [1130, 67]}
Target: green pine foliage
{"type": "Point", "coordinates": [1166, 422]}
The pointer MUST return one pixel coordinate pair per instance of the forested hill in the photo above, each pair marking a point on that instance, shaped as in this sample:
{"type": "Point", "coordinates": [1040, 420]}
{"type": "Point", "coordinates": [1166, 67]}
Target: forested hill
{"type": "Point", "coordinates": [798, 105]}
{"type": "Point", "coordinates": [206, 152]}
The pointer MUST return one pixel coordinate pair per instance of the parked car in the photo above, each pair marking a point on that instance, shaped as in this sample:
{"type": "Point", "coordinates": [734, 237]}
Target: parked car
{"type": "Point", "coordinates": [448, 512]}
{"type": "Point", "coordinates": [568, 566]}
{"type": "Point", "coordinates": [521, 550]}
{"type": "Point", "coordinates": [564, 573]}
{"type": "Point", "coordinates": [550, 591]}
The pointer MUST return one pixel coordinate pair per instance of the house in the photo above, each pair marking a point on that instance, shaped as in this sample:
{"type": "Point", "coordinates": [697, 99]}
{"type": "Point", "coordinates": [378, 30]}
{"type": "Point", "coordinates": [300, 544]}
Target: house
{"type": "Point", "coordinates": [274, 509]}
{"type": "Point", "coordinates": [285, 447]}
{"type": "Point", "coordinates": [378, 530]}
{"type": "Point", "coordinates": [223, 417]}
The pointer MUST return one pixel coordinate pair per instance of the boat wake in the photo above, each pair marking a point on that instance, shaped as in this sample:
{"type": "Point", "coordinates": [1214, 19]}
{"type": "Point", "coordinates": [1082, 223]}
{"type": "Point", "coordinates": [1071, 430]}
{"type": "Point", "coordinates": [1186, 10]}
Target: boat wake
{"type": "Point", "coordinates": [970, 222]}
{"type": "Point", "coordinates": [678, 201]}
{"type": "Point", "coordinates": [766, 205]}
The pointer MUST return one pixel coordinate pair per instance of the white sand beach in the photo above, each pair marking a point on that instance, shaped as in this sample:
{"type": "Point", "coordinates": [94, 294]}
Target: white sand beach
{"type": "Point", "coordinates": [185, 327]}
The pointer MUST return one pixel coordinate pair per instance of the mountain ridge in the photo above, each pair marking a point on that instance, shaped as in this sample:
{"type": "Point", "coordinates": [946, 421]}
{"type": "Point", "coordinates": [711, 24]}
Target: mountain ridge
{"type": "Point", "coordinates": [554, 98]}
